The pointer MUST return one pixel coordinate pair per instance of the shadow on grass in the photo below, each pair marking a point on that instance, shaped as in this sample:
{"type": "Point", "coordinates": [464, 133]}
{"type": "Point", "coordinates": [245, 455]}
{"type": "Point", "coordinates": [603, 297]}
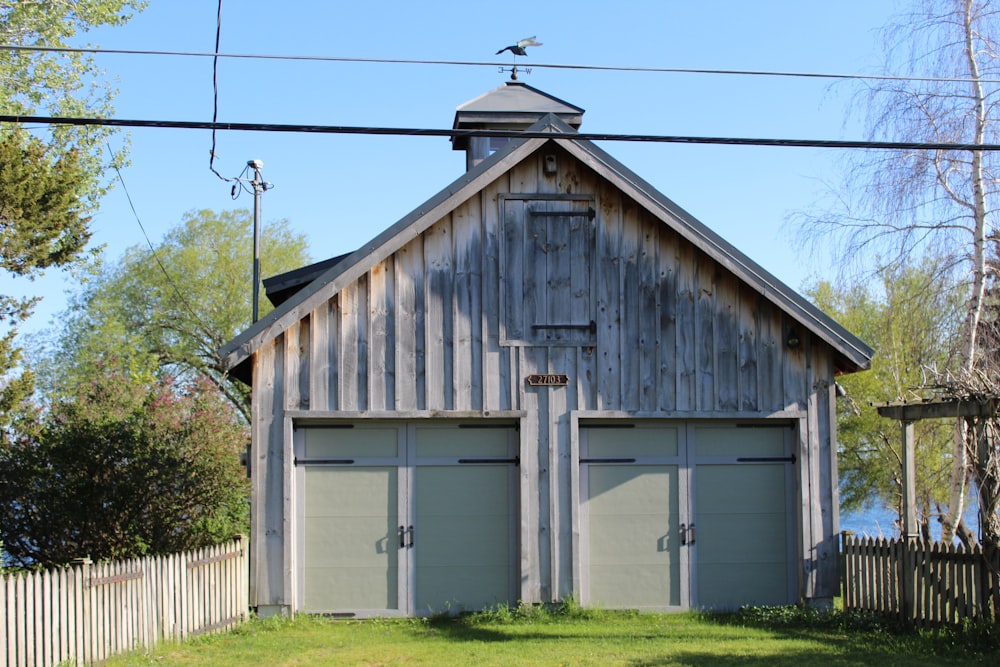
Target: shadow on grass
{"type": "Point", "coordinates": [759, 636]}
{"type": "Point", "coordinates": [867, 637]}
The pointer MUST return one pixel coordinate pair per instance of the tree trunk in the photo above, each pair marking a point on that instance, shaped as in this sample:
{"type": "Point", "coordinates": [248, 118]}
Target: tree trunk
{"type": "Point", "coordinates": [959, 469]}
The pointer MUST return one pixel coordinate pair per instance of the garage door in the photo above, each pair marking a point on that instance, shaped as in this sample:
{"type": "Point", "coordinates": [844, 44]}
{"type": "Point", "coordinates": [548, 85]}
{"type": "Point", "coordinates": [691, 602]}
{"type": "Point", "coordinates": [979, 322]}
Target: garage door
{"type": "Point", "coordinates": [742, 518]}
{"type": "Point", "coordinates": [630, 482]}
{"type": "Point", "coordinates": [406, 519]}
{"type": "Point", "coordinates": [685, 515]}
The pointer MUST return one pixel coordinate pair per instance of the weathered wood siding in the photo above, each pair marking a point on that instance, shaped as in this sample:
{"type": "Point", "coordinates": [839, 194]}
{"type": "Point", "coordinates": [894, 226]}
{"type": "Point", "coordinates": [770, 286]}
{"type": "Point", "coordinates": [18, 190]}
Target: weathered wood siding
{"type": "Point", "coordinates": [677, 335]}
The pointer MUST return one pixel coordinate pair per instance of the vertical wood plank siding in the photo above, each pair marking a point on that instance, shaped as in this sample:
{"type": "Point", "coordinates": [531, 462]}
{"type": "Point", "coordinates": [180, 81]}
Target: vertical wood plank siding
{"type": "Point", "coordinates": [426, 329]}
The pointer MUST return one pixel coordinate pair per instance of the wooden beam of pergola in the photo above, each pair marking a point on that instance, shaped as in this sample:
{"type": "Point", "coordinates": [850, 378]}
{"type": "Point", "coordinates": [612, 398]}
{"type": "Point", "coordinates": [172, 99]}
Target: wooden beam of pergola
{"type": "Point", "coordinates": [939, 409]}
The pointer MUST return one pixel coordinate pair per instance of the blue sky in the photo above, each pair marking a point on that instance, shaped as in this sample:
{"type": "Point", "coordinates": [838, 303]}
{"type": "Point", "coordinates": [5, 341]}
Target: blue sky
{"type": "Point", "coordinates": [341, 190]}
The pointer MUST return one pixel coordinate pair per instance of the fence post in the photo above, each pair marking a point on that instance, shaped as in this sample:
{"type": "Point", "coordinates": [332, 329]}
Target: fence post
{"type": "Point", "coordinates": [84, 642]}
{"type": "Point", "coordinates": [989, 582]}
{"type": "Point", "coordinates": [844, 573]}
{"type": "Point", "coordinates": [910, 530]}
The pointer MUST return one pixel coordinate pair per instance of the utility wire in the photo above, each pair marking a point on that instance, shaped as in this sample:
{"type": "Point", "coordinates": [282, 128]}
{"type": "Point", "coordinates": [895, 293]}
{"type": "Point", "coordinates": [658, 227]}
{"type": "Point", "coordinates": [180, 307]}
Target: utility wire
{"type": "Point", "coordinates": [215, 92]}
{"type": "Point", "coordinates": [476, 63]}
{"type": "Point", "coordinates": [152, 249]}
{"type": "Point", "coordinates": [510, 134]}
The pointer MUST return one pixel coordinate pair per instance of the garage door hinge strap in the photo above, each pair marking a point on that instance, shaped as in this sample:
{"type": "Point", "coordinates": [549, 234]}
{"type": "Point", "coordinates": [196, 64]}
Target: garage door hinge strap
{"type": "Point", "coordinates": [766, 459]}
{"type": "Point", "coordinates": [516, 460]}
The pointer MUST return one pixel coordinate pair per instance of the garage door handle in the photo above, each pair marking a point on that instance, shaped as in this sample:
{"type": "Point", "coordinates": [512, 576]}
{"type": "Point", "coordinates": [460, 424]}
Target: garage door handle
{"type": "Point", "coordinates": [691, 534]}
{"type": "Point", "coordinates": [402, 537]}
{"type": "Point", "coordinates": [683, 534]}
{"type": "Point", "coordinates": [410, 531]}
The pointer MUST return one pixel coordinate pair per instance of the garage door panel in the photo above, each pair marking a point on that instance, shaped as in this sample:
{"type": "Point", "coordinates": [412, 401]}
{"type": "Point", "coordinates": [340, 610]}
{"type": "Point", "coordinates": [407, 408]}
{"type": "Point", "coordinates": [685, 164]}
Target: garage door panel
{"type": "Point", "coordinates": [740, 442]}
{"type": "Point", "coordinates": [738, 538]}
{"type": "Point", "coordinates": [350, 543]}
{"type": "Point", "coordinates": [455, 540]}
{"type": "Point", "coordinates": [337, 588]}
{"type": "Point", "coordinates": [723, 489]}
{"type": "Point", "coordinates": [462, 442]}
{"type": "Point", "coordinates": [350, 443]}
{"type": "Point", "coordinates": [742, 530]}
{"type": "Point", "coordinates": [465, 588]}
{"type": "Point", "coordinates": [350, 492]}
{"type": "Point", "coordinates": [632, 442]}
{"type": "Point", "coordinates": [640, 586]}
{"type": "Point", "coordinates": [463, 543]}
{"type": "Point", "coordinates": [632, 540]}
{"type": "Point", "coordinates": [463, 490]}
{"type": "Point", "coordinates": [630, 490]}
{"type": "Point", "coordinates": [632, 514]}
{"type": "Point", "coordinates": [723, 586]}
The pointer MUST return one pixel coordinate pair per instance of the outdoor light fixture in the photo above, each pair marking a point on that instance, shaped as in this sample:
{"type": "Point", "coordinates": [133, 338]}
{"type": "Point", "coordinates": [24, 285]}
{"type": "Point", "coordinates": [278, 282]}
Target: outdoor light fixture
{"type": "Point", "coordinates": [551, 166]}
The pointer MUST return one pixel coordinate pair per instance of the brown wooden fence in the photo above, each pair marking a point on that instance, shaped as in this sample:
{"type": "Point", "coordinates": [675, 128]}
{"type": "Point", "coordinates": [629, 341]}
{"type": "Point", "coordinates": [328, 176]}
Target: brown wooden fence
{"type": "Point", "coordinates": [86, 612]}
{"type": "Point", "coordinates": [926, 584]}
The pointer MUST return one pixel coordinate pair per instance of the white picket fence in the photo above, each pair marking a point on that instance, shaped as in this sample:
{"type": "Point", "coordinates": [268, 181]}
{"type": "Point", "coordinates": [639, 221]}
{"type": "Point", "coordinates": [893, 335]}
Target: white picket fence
{"type": "Point", "coordinates": [86, 612]}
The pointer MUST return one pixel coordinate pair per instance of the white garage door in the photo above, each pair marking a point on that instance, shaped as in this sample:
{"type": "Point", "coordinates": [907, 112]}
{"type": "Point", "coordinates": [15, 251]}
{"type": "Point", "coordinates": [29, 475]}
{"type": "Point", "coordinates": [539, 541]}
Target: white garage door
{"type": "Point", "coordinates": [406, 519]}
{"type": "Point", "coordinates": [680, 515]}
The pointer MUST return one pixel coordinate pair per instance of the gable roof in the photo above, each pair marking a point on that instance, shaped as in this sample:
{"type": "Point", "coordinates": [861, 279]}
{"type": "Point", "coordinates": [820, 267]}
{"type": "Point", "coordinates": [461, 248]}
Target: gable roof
{"type": "Point", "coordinates": [853, 354]}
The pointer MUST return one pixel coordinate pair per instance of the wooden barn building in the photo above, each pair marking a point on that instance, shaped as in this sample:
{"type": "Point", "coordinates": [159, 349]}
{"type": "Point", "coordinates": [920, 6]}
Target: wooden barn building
{"type": "Point", "coordinates": [546, 381]}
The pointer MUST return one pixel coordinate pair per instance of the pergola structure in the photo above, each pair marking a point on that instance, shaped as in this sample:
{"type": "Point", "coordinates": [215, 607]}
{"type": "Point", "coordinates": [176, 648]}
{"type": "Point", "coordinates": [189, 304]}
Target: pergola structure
{"type": "Point", "coordinates": [909, 413]}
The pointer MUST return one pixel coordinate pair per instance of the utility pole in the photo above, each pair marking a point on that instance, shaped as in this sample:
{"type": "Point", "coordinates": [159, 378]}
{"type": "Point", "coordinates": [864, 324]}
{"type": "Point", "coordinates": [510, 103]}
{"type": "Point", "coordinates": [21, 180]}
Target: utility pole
{"type": "Point", "coordinates": [259, 188]}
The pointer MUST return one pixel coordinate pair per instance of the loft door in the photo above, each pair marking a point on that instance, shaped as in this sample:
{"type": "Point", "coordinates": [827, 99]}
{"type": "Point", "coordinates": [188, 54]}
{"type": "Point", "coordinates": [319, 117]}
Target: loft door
{"type": "Point", "coordinates": [547, 272]}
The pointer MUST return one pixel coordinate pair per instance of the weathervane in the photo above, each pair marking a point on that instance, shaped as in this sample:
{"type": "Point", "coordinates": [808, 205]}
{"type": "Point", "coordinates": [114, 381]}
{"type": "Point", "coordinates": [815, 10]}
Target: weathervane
{"type": "Point", "coordinates": [518, 50]}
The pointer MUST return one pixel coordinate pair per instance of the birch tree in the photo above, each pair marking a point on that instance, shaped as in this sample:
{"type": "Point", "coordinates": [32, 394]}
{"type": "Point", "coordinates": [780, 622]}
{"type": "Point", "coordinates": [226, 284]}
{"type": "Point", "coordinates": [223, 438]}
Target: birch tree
{"type": "Point", "coordinates": [941, 85]}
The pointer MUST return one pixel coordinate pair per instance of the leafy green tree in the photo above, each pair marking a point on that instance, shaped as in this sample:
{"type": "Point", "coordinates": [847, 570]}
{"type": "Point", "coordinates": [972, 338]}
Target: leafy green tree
{"type": "Point", "coordinates": [61, 83]}
{"type": "Point", "coordinates": [122, 469]}
{"type": "Point", "coordinates": [915, 328]}
{"type": "Point", "coordinates": [49, 184]}
{"type": "Point", "coordinates": [41, 225]}
{"type": "Point", "coordinates": [169, 309]}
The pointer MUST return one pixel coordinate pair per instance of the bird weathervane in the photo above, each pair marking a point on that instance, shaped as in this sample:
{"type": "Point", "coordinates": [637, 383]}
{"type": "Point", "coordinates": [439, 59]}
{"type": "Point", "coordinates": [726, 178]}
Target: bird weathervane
{"type": "Point", "coordinates": [518, 50]}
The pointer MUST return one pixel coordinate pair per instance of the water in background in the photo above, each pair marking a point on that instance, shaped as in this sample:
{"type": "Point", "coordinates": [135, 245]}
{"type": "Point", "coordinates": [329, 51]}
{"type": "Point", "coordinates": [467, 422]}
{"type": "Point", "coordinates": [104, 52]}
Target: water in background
{"type": "Point", "coordinates": [876, 521]}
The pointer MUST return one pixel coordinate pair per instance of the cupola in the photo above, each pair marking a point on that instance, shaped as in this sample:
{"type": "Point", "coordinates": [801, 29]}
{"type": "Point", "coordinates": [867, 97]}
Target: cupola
{"type": "Point", "coordinates": [512, 106]}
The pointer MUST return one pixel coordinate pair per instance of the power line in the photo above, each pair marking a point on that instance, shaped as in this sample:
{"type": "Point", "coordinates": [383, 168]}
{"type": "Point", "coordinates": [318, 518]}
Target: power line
{"type": "Point", "coordinates": [510, 134]}
{"type": "Point", "coordinates": [478, 63]}
{"type": "Point", "coordinates": [152, 248]}
{"type": "Point", "coordinates": [215, 91]}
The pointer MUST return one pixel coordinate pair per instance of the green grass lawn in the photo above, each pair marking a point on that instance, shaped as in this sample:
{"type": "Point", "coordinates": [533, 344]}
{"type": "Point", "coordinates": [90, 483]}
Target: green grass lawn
{"type": "Point", "coordinates": [571, 637]}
